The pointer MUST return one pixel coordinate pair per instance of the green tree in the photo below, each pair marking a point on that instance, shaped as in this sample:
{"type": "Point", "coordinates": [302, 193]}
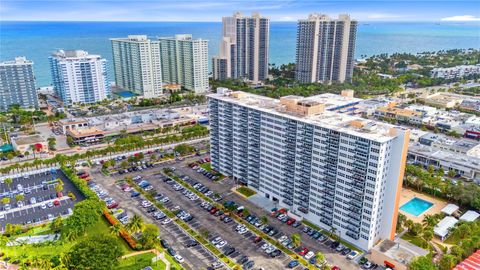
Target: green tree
{"type": "Point", "coordinates": [85, 214]}
{"type": "Point", "coordinates": [149, 236]}
{"type": "Point", "coordinates": [264, 219]}
{"type": "Point", "coordinates": [416, 229]}
{"type": "Point", "coordinates": [94, 252]}
{"type": "Point", "coordinates": [5, 200]}
{"type": "Point", "coordinates": [136, 224]}
{"type": "Point", "coordinates": [115, 229]}
{"type": "Point", "coordinates": [296, 239]}
{"type": "Point", "coordinates": [427, 235]}
{"type": "Point", "coordinates": [19, 197]}
{"type": "Point", "coordinates": [56, 224]}
{"type": "Point", "coordinates": [447, 262]}
{"type": "Point", "coordinates": [52, 143]}
{"type": "Point", "coordinates": [8, 181]}
{"type": "Point", "coordinates": [422, 263]}
{"type": "Point", "coordinates": [451, 173]}
{"type": "Point", "coordinates": [320, 257]}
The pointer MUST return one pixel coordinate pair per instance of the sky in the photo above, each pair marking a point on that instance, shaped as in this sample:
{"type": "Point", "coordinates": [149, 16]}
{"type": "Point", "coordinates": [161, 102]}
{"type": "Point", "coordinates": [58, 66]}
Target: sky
{"type": "Point", "coordinates": [213, 10]}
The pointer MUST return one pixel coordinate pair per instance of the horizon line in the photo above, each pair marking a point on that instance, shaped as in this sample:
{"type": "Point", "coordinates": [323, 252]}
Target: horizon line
{"type": "Point", "coordinates": [281, 21]}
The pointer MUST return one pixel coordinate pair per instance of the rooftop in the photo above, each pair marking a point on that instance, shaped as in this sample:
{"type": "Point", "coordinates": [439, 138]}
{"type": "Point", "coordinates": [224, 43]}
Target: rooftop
{"type": "Point", "coordinates": [85, 132]}
{"type": "Point", "coordinates": [356, 126]}
{"type": "Point", "coordinates": [20, 60]}
{"type": "Point", "coordinates": [444, 226]}
{"type": "Point", "coordinates": [470, 216]}
{"type": "Point", "coordinates": [400, 250]}
{"type": "Point", "coordinates": [74, 54]}
{"type": "Point", "coordinates": [447, 156]}
{"type": "Point", "coordinates": [470, 263]}
{"type": "Point", "coordinates": [30, 139]}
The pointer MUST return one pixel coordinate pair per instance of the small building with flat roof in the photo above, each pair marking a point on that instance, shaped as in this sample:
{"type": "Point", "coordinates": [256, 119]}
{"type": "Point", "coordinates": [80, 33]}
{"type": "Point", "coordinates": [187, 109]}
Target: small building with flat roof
{"type": "Point", "coordinates": [449, 209]}
{"type": "Point", "coordinates": [395, 254]}
{"type": "Point", "coordinates": [470, 216]}
{"type": "Point", "coordinates": [443, 227]}
{"type": "Point", "coordinates": [28, 143]}
{"type": "Point", "coordinates": [86, 135]}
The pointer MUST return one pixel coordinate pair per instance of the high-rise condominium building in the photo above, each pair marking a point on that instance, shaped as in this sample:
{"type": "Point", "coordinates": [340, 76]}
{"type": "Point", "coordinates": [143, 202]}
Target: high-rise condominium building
{"type": "Point", "coordinates": [136, 61]}
{"type": "Point", "coordinates": [17, 84]}
{"type": "Point", "coordinates": [335, 170]}
{"type": "Point", "coordinates": [185, 62]}
{"type": "Point", "coordinates": [243, 48]}
{"type": "Point", "coordinates": [325, 49]}
{"type": "Point", "coordinates": [79, 77]}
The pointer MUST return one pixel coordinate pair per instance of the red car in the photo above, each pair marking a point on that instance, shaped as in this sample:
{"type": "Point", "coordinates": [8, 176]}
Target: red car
{"type": "Point", "coordinates": [335, 268]}
{"type": "Point", "coordinates": [59, 194]}
{"type": "Point", "coordinates": [291, 221]}
{"type": "Point", "coordinates": [85, 175]}
{"type": "Point", "coordinates": [303, 251]}
{"type": "Point", "coordinates": [213, 211]}
{"type": "Point", "coordinates": [56, 202]}
{"type": "Point", "coordinates": [257, 239]}
{"type": "Point", "coordinates": [113, 205]}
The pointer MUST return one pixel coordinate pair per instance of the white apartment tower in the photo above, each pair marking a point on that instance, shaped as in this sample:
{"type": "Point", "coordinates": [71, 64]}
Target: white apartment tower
{"type": "Point", "coordinates": [79, 77]}
{"type": "Point", "coordinates": [325, 49]}
{"type": "Point", "coordinates": [185, 61]}
{"type": "Point", "coordinates": [243, 48]}
{"type": "Point", "coordinates": [335, 170]}
{"type": "Point", "coordinates": [17, 84]}
{"type": "Point", "coordinates": [136, 61]}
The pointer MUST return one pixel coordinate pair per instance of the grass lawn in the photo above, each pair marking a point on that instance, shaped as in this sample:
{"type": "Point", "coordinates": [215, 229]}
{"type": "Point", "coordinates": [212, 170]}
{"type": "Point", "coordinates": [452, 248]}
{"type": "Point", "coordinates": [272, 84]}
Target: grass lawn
{"type": "Point", "coordinates": [140, 261]}
{"type": "Point", "coordinates": [417, 241]}
{"type": "Point", "coordinates": [245, 191]}
{"type": "Point", "coordinates": [60, 246]}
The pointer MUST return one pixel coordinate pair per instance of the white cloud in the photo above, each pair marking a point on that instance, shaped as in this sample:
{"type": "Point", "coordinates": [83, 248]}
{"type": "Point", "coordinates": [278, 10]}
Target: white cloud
{"type": "Point", "coordinates": [462, 18]}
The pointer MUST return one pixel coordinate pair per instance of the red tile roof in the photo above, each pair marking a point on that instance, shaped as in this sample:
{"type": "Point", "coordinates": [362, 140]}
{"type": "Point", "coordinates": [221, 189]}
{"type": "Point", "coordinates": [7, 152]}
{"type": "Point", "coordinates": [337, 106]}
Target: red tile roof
{"type": "Point", "coordinates": [470, 263]}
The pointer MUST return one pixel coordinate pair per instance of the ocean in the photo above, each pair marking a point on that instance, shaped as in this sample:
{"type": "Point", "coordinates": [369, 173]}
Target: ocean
{"type": "Point", "coordinates": [36, 40]}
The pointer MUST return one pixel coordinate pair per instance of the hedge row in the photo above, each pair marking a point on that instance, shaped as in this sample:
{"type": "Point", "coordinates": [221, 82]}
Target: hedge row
{"type": "Point", "coordinates": [123, 233]}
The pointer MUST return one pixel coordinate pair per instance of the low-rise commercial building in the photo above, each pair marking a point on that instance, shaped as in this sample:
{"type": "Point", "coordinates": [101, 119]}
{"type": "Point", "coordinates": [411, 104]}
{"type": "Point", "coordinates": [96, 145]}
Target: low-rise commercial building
{"type": "Point", "coordinates": [463, 165]}
{"type": "Point", "coordinates": [443, 100]}
{"type": "Point", "coordinates": [29, 143]}
{"type": "Point", "coordinates": [395, 254]}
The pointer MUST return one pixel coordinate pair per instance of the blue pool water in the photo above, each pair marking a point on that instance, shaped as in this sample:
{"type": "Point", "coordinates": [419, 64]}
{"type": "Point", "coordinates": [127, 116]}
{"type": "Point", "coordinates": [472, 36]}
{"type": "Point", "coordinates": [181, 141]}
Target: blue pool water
{"type": "Point", "coordinates": [416, 206]}
{"type": "Point", "coordinates": [126, 94]}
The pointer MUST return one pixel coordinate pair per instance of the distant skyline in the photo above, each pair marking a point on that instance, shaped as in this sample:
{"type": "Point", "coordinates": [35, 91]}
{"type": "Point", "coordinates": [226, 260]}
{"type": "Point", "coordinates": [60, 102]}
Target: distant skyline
{"type": "Point", "coordinates": [213, 10]}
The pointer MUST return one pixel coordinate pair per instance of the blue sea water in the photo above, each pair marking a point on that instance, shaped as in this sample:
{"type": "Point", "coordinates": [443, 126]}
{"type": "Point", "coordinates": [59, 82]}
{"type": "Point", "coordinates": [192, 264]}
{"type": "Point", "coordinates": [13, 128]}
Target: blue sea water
{"type": "Point", "coordinates": [36, 40]}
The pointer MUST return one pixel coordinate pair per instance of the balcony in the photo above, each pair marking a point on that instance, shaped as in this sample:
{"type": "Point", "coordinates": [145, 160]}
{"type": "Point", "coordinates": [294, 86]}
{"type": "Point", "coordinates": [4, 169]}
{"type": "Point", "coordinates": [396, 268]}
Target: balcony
{"type": "Point", "coordinates": [353, 228]}
{"type": "Point", "coordinates": [355, 236]}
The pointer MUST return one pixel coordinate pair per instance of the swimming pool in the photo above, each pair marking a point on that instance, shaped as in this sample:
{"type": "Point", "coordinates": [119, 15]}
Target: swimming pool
{"type": "Point", "coordinates": [126, 94]}
{"type": "Point", "coordinates": [416, 206]}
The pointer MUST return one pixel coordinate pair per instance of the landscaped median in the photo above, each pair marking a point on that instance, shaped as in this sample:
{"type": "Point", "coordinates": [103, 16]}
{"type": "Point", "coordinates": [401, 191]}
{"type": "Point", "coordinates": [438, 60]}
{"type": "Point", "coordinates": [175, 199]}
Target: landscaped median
{"type": "Point", "coordinates": [184, 226]}
{"type": "Point", "coordinates": [252, 228]}
{"type": "Point", "coordinates": [245, 191]}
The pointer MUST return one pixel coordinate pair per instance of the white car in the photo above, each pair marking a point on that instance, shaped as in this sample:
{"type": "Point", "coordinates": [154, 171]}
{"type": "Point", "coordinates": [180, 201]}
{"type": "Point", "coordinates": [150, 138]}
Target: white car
{"type": "Point", "coordinates": [43, 206]}
{"type": "Point", "coordinates": [20, 187]}
{"type": "Point", "coordinates": [50, 217]}
{"type": "Point", "coordinates": [309, 255]}
{"type": "Point", "coordinates": [352, 255]}
{"type": "Point", "coordinates": [2, 216]}
{"type": "Point", "coordinates": [178, 258]}
{"type": "Point", "coordinates": [166, 221]}
{"type": "Point", "coordinates": [7, 207]}
{"type": "Point", "coordinates": [221, 244]}
{"type": "Point", "coordinates": [33, 200]}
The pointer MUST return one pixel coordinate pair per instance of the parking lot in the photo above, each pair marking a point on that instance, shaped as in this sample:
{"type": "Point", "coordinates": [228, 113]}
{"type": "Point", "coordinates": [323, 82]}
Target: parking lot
{"type": "Point", "coordinates": [224, 187]}
{"type": "Point", "coordinates": [196, 257]}
{"type": "Point", "coordinates": [204, 221]}
{"type": "Point", "coordinates": [40, 200]}
{"type": "Point", "coordinates": [243, 243]}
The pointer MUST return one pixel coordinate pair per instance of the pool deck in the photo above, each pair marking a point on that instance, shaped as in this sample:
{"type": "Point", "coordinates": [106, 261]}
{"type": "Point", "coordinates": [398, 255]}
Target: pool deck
{"type": "Point", "coordinates": [408, 194]}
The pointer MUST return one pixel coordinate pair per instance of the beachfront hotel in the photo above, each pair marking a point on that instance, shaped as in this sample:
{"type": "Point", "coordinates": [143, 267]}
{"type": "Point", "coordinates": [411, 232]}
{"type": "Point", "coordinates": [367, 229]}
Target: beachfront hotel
{"type": "Point", "coordinates": [17, 84]}
{"type": "Point", "coordinates": [136, 61]}
{"type": "Point", "coordinates": [184, 61]}
{"type": "Point", "coordinates": [325, 49]}
{"type": "Point", "coordinates": [243, 48]}
{"type": "Point", "coordinates": [335, 170]}
{"type": "Point", "coordinates": [79, 77]}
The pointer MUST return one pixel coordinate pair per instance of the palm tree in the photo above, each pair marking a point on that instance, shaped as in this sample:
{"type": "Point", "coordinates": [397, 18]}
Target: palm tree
{"type": "Point", "coordinates": [136, 224]}
{"type": "Point", "coordinates": [115, 229]}
{"type": "Point", "coordinates": [296, 239]}
{"type": "Point", "coordinates": [320, 257]}
{"type": "Point", "coordinates": [8, 181]}
{"type": "Point", "coordinates": [429, 221]}
{"type": "Point", "coordinates": [5, 200]}
{"type": "Point", "coordinates": [333, 231]}
{"type": "Point", "coordinates": [19, 197]}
